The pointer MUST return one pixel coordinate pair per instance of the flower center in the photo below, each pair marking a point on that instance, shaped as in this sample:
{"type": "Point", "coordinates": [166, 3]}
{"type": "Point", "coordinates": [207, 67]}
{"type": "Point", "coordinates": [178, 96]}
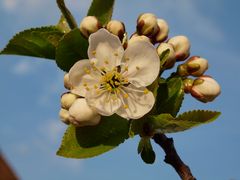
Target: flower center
{"type": "Point", "coordinates": [112, 81]}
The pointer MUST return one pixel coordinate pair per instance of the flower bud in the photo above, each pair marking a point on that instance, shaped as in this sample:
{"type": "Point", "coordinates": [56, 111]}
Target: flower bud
{"type": "Point", "coordinates": [182, 70]}
{"type": "Point", "coordinates": [117, 28]}
{"type": "Point", "coordinates": [67, 84]}
{"type": "Point", "coordinates": [135, 37]}
{"type": "Point", "coordinates": [82, 114]}
{"type": "Point", "coordinates": [181, 47]}
{"type": "Point", "coordinates": [163, 31]}
{"type": "Point", "coordinates": [89, 25]}
{"type": "Point", "coordinates": [197, 66]}
{"type": "Point", "coordinates": [187, 83]}
{"type": "Point", "coordinates": [205, 89]}
{"type": "Point", "coordinates": [171, 56]}
{"type": "Point", "coordinates": [65, 116]}
{"type": "Point", "coordinates": [67, 100]}
{"type": "Point", "coordinates": [147, 24]}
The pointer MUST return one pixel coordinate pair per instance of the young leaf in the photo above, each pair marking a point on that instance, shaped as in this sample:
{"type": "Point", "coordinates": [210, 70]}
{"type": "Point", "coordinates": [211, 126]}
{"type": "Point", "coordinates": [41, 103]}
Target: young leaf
{"type": "Point", "coordinates": [63, 25]}
{"type": "Point", "coordinates": [72, 48]}
{"type": "Point", "coordinates": [146, 151]}
{"type": "Point", "coordinates": [37, 42]}
{"type": "Point", "coordinates": [199, 116]}
{"type": "Point", "coordinates": [86, 142]}
{"type": "Point", "coordinates": [164, 56]}
{"type": "Point", "coordinates": [170, 96]}
{"type": "Point", "coordinates": [166, 123]}
{"type": "Point", "coordinates": [102, 10]}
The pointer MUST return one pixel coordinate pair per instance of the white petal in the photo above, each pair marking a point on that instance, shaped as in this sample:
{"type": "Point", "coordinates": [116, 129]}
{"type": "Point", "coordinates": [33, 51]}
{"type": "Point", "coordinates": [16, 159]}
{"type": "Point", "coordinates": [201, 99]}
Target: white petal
{"type": "Point", "coordinates": [104, 103]}
{"type": "Point", "coordinates": [143, 63]}
{"type": "Point", "coordinates": [80, 80]}
{"type": "Point", "coordinates": [138, 102]}
{"type": "Point", "coordinates": [105, 47]}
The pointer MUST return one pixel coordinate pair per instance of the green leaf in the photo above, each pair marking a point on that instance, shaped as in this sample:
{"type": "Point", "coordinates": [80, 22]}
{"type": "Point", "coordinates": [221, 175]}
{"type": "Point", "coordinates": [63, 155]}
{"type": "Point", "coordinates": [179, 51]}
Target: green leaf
{"type": "Point", "coordinates": [199, 116]}
{"type": "Point", "coordinates": [170, 96]}
{"type": "Point", "coordinates": [63, 25]}
{"type": "Point", "coordinates": [102, 10]}
{"type": "Point", "coordinates": [164, 56]}
{"type": "Point", "coordinates": [146, 151]}
{"type": "Point", "coordinates": [72, 48]}
{"type": "Point", "coordinates": [86, 142]}
{"type": "Point", "coordinates": [166, 123]}
{"type": "Point", "coordinates": [37, 42]}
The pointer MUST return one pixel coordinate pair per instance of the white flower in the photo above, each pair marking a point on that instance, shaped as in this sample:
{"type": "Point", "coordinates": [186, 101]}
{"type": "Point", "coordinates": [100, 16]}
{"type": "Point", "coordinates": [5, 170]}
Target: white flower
{"type": "Point", "coordinates": [114, 81]}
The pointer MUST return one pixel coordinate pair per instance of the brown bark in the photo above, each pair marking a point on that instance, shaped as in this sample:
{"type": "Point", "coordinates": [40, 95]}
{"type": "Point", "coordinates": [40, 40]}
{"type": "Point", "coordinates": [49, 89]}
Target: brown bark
{"type": "Point", "coordinates": [6, 173]}
{"type": "Point", "coordinates": [172, 156]}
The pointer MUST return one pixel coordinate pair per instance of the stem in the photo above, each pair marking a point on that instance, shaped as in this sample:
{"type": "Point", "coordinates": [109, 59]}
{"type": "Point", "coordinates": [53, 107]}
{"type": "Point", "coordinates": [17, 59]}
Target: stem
{"type": "Point", "coordinates": [67, 14]}
{"type": "Point", "coordinates": [172, 156]}
{"type": "Point", "coordinates": [5, 171]}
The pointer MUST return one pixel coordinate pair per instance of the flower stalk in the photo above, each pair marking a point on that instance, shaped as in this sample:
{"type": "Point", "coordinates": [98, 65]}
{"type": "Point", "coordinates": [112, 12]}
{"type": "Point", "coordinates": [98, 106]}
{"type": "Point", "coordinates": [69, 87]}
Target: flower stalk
{"type": "Point", "coordinates": [67, 14]}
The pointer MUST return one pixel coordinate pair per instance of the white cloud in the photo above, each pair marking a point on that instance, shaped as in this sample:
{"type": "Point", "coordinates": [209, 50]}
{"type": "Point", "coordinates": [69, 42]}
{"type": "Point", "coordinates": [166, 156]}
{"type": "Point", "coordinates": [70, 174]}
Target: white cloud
{"type": "Point", "coordinates": [22, 68]}
{"type": "Point", "coordinates": [187, 12]}
{"type": "Point", "coordinates": [10, 5]}
{"type": "Point", "coordinates": [53, 129]}
{"type": "Point", "coordinates": [52, 88]}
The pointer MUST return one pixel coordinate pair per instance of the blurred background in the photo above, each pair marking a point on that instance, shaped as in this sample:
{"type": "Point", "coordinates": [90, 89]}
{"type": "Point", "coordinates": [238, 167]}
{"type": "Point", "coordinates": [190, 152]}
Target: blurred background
{"type": "Point", "coordinates": [30, 90]}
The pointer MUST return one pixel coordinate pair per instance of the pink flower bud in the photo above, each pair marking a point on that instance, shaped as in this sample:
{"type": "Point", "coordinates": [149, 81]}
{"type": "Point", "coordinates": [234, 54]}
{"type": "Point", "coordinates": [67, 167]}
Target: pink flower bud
{"type": "Point", "coordinates": [197, 66]}
{"type": "Point", "coordinates": [67, 100]}
{"type": "Point", "coordinates": [147, 24]}
{"type": "Point", "coordinates": [82, 114]}
{"type": "Point", "coordinates": [205, 89]}
{"type": "Point", "coordinates": [89, 25]}
{"type": "Point", "coordinates": [181, 47]}
{"type": "Point", "coordinates": [135, 37]}
{"type": "Point", "coordinates": [171, 59]}
{"type": "Point", "coordinates": [187, 83]}
{"type": "Point", "coordinates": [163, 31]}
{"type": "Point", "coordinates": [116, 27]}
{"type": "Point", "coordinates": [64, 116]}
{"type": "Point", "coordinates": [67, 84]}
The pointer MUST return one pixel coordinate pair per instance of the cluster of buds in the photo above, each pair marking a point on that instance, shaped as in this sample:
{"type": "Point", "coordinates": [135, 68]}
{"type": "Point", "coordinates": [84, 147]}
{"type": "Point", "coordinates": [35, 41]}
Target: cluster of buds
{"type": "Point", "coordinates": [91, 24]}
{"type": "Point", "coordinates": [75, 109]}
{"type": "Point", "coordinates": [155, 30]}
{"type": "Point", "coordinates": [204, 88]}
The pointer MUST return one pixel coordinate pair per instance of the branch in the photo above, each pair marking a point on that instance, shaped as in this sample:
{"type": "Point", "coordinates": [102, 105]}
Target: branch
{"type": "Point", "coordinates": [5, 171]}
{"type": "Point", "coordinates": [67, 14]}
{"type": "Point", "coordinates": [172, 156]}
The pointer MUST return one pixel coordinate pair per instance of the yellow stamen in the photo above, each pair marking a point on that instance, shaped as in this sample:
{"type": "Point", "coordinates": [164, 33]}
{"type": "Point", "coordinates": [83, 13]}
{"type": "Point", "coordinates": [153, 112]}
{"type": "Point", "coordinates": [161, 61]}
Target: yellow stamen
{"type": "Point", "coordinates": [87, 88]}
{"type": "Point", "coordinates": [146, 91]}
{"type": "Point", "coordinates": [93, 52]}
{"type": "Point", "coordinates": [106, 62]}
{"type": "Point", "coordinates": [95, 86]}
{"type": "Point", "coordinates": [87, 71]}
{"type": "Point", "coordinates": [85, 84]}
{"type": "Point", "coordinates": [115, 54]}
{"type": "Point", "coordinates": [125, 106]}
{"type": "Point", "coordinates": [127, 59]}
{"type": "Point", "coordinates": [125, 96]}
{"type": "Point", "coordinates": [138, 68]}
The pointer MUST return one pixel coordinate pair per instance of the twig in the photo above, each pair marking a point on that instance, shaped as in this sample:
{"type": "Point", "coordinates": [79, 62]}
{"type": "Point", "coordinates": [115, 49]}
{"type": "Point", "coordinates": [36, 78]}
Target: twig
{"type": "Point", "coordinates": [6, 172]}
{"type": "Point", "coordinates": [172, 156]}
{"type": "Point", "coordinates": [67, 14]}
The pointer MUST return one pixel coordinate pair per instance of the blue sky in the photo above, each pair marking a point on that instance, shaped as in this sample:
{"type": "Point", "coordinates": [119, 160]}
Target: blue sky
{"type": "Point", "coordinates": [30, 89]}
